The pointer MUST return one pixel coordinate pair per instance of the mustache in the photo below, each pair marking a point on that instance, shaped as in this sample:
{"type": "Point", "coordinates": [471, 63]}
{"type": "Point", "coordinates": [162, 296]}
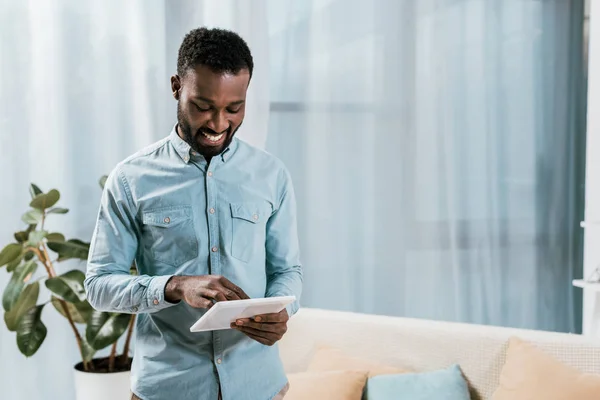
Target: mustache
{"type": "Point", "coordinates": [211, 132]}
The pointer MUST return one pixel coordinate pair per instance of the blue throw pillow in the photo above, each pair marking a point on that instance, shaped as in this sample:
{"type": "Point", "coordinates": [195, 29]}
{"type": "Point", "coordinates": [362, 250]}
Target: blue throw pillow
{"type": "Point", "coordinates": [445, 384]}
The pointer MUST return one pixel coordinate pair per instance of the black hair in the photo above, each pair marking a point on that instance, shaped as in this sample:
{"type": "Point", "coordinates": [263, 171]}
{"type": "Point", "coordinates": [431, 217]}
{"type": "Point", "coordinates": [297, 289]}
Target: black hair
{"type": "Point", "coordinates": [218, 49]}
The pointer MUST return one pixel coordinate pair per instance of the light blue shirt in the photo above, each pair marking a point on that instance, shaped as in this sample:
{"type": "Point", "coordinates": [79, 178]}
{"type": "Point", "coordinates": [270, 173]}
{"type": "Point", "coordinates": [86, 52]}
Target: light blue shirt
{"type": "Point", "coordinates": [176, 215]}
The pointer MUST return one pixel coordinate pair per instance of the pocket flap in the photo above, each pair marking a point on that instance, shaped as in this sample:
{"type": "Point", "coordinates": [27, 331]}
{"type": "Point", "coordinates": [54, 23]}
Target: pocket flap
{"type": "Point", "coordinates": [167, 216]}
{"type": "Point", "coordinates": [248, 211]}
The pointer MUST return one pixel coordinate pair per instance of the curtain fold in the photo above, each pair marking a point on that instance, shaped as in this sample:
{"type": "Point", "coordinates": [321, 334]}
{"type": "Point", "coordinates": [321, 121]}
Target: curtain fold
{"type": "Point", "coordinates": [437, 148]}
{"type": "Point", "coordinates": [82, 86]}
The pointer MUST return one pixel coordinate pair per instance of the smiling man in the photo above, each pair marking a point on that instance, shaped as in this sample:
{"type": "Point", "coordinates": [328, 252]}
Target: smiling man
{"type": "Point", "coordinates": [206, 217]}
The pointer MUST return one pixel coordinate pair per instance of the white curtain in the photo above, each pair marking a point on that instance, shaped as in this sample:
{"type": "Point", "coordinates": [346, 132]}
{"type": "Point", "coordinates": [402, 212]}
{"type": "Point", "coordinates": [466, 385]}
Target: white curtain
{"type": "Point", "coordinates": [436, 146]}
{"type": "Point", "coordinates": [82, 86]}
{"type": "Point", "coordinates": [437, 149]}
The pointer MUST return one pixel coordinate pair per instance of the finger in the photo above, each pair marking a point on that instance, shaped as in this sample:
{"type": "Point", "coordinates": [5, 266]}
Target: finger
{"type": "Point", "coordinates": [272, 318]}
{"type": "Point", "coordinates": [230, 294]}
{"type": "Point", "coordinates": [272, 337]}
{"type": "Point", "coordinates": [201, 302]}
{"type": "Point", "coordinates": [214, 294]}
{"type": "Point", "coordinates": [258, 338]}
{"type": "Point", "coordinates": [231, 286]}
{"type": "Point", "coordinates": [266, 327]}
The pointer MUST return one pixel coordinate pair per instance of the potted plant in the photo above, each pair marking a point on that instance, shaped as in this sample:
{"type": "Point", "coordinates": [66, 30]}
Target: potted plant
{"type": "Point", "coordinates": [37, 249]}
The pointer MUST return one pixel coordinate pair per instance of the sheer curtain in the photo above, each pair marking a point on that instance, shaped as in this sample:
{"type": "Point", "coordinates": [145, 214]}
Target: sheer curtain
{"type": "Point", "coordinates": [436, 146]}
{"type": "Point", "coordinates": [437, 150]}
{"type": "Point", "coordinates": [82, 86]}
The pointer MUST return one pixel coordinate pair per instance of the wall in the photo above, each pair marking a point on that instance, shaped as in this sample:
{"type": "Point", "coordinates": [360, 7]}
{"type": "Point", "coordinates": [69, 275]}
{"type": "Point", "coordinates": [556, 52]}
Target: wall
{"type": "Point", "coordinates": [591, 306]}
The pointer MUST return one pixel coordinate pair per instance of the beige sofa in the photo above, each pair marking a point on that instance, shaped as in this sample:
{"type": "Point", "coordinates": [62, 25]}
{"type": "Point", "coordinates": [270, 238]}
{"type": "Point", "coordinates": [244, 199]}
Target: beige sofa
{"type": "Point", "coordinates": [422, 345]}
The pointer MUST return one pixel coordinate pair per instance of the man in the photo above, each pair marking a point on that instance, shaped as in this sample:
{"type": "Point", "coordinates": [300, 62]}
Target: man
{"type": "Point", "coordinates": [207, 218]}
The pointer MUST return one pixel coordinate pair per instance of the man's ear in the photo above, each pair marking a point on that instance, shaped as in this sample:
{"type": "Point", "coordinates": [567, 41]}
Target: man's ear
{"type": "Point", "coordinates": [175, 86]}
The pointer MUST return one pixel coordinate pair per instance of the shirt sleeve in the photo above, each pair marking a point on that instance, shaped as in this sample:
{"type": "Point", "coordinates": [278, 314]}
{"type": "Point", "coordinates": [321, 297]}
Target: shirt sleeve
{"type": "Point", "coordinates": [108, 283]}
{"type": "Point", "coordinates": [284, 271]}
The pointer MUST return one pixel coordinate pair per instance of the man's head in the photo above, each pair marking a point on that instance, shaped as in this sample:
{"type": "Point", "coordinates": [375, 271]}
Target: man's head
{"type": "Point", "coordinates": [214, 67]}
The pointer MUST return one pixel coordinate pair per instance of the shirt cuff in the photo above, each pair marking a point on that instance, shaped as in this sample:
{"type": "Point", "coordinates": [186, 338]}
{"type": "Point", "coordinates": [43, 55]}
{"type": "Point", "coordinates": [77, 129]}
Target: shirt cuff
{"type": "Point", "coordinates": [292, 308]}
{"type": "Point", "coordinates": [156, 293]}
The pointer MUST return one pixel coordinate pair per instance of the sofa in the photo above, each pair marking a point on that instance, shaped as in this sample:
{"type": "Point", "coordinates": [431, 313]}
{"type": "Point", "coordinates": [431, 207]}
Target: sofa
{"type": "Point", "coordinates": [419, 345]}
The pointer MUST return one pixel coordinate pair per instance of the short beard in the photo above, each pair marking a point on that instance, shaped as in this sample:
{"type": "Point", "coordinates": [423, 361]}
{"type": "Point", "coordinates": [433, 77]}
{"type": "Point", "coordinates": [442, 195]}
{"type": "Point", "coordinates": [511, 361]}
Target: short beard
{"type": "Point", "coordinates": [186, 130]}
{"type": "Point", "coordinates": [188, 137]}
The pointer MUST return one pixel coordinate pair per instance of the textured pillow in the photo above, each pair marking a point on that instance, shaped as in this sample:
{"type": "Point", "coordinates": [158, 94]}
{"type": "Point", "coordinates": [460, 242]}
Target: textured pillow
{"type": "Point", "coordinates": [331, 385]}
{"type": "Point", "coordinates": [328, 359]}
{"type": "Point", "coordinates": [529, 373]}
{"type": "Point", "coordinates": [445, 384]}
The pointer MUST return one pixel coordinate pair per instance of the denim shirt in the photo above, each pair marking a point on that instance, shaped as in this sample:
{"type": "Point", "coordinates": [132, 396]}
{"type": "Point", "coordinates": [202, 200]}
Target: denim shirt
{"type": "Point", "coordinates": [174, 214]}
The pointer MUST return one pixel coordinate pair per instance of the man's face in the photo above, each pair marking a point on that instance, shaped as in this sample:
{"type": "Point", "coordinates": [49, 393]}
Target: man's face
{"type": "Point", "coordinates": [211, 107]}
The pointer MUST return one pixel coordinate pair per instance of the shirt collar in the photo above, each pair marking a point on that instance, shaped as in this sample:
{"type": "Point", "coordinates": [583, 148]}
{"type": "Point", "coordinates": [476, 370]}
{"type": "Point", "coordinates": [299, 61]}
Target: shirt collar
{"type": "Point", "coordinates": [185, 150]}
{"type": "Point", "coordinates": [180, 145]}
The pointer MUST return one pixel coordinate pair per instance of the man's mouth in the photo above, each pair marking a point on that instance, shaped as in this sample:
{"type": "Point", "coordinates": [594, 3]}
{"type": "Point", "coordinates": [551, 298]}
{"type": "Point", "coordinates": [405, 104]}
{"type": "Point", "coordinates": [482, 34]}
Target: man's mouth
{"type": "Point", "coordinates": [212, 137]}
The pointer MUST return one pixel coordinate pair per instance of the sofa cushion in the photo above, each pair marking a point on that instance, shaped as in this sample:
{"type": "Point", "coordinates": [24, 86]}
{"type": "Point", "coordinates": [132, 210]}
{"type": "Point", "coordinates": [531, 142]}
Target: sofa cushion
{"type": "Point", "coordinates": [330, 385]}
{"type": "Point", "coordinates": [530, 373]}
{"type": "Point", "coordinates": [330, 359]}
{"type": "Point", "coordinates": [445, 384]}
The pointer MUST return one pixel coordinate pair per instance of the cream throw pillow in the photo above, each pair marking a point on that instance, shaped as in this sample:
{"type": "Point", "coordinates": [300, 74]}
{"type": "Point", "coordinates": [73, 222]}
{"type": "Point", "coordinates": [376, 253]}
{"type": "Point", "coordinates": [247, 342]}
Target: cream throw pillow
{"type": "Point", "coordinates": [331, 385]}
{"type": "Point", "coordinates": [329, 359]}
{"type": "Point", "coordinates": [529, 373]}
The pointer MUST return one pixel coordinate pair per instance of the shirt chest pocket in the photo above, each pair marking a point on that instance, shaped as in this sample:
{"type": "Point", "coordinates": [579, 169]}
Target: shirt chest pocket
{"type": "Point", "coordinates": [171, 237]}
{"type": "Point", "coordinates": [248, 235]}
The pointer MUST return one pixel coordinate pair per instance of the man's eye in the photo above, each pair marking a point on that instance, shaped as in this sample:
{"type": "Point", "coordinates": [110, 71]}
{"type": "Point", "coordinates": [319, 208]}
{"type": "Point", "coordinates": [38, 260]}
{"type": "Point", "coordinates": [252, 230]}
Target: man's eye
{"type": "Point", "coordinates": [229, 110]}
{"type": "Point", "coordinates": [201, 108]}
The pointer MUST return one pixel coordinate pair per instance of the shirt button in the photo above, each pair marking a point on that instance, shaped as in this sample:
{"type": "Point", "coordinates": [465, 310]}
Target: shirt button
{"type": "Point", "coordinates": [219, 361]}
{"type": "Point", "coordinates": [214, 249]}
{"type": "Point", "coordinates": [156, 301]}
{"type": "Point", "coordinates": [255, 217]}
{"type": "Point", "coordinates": [167, 220]}
{"type": "Point", "coordinates": [210, 173]}
{"type": "Point", "coordinates": [212, 211]}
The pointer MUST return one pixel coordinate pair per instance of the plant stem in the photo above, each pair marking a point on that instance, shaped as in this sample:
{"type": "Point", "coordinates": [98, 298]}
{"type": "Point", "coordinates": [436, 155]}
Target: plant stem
{"type": "Point", "coordinates": [45, 259]}
{"type": "Point", "coordinates": [39, 255]}
{"type": "Point", "coordinates": [113, 355]}
{"type": "Point", "coordinates": [125, 355]}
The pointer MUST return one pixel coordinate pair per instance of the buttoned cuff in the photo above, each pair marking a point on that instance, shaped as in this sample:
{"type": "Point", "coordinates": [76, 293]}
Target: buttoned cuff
{"type": "Point", "coordinates": [292, 308]}
{"type": "Point", "coordinates": [156, 293]}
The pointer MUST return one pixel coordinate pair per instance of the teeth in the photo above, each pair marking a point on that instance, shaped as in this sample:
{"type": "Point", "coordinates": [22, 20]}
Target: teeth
{"type": "Point", "coordinates": [213, 138]}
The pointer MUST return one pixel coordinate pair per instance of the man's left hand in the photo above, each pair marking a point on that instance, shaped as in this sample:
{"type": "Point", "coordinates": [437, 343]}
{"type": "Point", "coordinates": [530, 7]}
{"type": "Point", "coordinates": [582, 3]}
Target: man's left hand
{"type": "Point", "coordinates": [266, 329]}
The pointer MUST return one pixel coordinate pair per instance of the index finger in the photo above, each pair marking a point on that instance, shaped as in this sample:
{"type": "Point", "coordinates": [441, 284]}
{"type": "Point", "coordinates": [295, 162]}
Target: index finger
{"type": "Point", "coordinates": [272, 318]}
{"type": "Point", "coordinates": [231, 286]}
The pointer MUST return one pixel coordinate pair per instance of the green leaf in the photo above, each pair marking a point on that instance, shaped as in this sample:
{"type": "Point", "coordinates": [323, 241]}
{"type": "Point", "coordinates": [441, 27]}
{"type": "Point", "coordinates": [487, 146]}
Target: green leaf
{"type": "Point", "coordinates": [70, 249]}
{"type": "Point", "coordinates": [10, 253]}
{"type": "Point", "coordinates": [36, 237]}
{"type": "Point", "coordinates": [16, 284]}
{"type": "Point", "coordinates": [10, 267]}
{"type": "Point", "coordinates": [102, 181]}
{"type": "Point", "coordinates": [55, 237]}
{"type": "Point", "coordinates": [27, 299]}
{"type": "Point", "coordinates": [80, 312]}
{"type": "Point", "coordinates": [31, 331]}
{"type": "Point", "coordinates": [34, 190]}
{"type": "Point", "coordinates": [28, 255]}
{"type": "Point", "coordinates": [87, 350]}
{"type": "Point", "coordinates": [69, 286]}
{"type": "Point", "coordinates": [21, 236]}
{"type": "Point", "coordinates": [32, 217]}
{"type": "Point", "coordinates": [45, 200]}
{"type": "Point", "coordinates": [103, 329]}
{"type": "Point", "coordinates": [57, 210]}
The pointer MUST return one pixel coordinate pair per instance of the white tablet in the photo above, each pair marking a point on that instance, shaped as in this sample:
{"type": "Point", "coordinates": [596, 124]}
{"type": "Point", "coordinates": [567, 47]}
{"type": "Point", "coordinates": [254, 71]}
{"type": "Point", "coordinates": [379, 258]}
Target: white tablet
{"type": "Point", "coordinates": [223, 313]}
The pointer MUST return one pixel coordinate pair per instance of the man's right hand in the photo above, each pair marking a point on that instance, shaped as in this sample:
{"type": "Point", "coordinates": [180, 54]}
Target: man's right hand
{"type": "Point", "coordinates": [201, 291]}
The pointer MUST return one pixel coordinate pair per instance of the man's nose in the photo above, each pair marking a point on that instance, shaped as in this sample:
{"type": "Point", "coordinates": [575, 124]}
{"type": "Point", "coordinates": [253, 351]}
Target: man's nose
{"type": "Point", "coordinates": [218, 123]}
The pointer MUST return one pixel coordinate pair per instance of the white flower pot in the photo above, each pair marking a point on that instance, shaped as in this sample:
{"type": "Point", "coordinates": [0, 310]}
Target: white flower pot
{"type": "Point", "coordinates": [102, 386]}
